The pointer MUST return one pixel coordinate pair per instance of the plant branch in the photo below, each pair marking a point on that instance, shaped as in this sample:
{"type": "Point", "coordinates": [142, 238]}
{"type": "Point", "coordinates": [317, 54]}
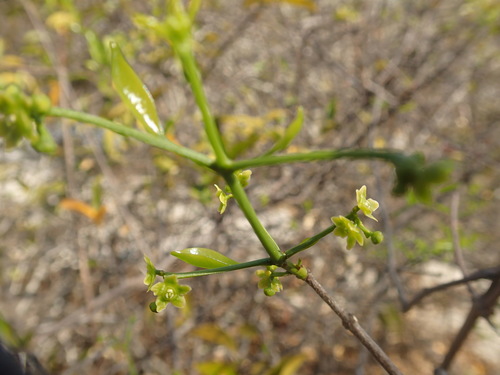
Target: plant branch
{"type": "Point", "coordinates": [246, 207]}
{"type": "Point", "coordinates": [388, 239]}
{"type": "Point", "coordinates": [211, 271]}
{"type": "Point", "coordinates": [311, 241]}
{"type": "Point", "coordinates": [387, 155]}
{"type": "Point", "coordinates": [150, 139]}
{"type": "Point", "coordinates": [213, 134]}
{"type": "Point", "coordinates": [457, 248]}
{"type": "Point", "coordinates": [351, 323]}
{"type": "Point", "coordinates": [487, 273]}
{"type": "Point", "coordinates": [481, 307]}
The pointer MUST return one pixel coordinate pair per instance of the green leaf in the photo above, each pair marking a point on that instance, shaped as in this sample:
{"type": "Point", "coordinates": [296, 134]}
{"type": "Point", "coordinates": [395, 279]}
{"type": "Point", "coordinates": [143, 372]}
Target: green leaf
{"type": "Point", "coordinates": [290, 133]}
{"type": "Point", "coordinates": [203, 258]}
{"type": "Point", "coordinates": [133, 92]}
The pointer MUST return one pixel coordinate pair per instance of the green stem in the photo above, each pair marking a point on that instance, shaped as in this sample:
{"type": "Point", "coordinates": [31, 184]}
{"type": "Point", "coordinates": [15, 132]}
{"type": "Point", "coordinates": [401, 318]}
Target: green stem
{"type": "Point", "coordinates": [309, 242]}
{"type": "Point", "coordinates": [211, 271]}
{"type": "Point", "coordinates": [150, 139]}
{"type": "Point", "coordinates": [213, 134]}
{"type": "Point", "coordinates": [223, 163]}
{"type": "Point", "coordinates": [265, 238]}
{"type": "Point", "coordinates": [388, 155]}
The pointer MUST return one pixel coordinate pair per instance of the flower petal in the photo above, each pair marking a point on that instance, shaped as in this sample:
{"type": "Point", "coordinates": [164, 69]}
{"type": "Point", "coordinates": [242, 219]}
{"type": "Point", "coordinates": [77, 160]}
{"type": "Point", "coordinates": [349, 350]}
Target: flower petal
{"type": "Point", "coordinates": [366, 205]}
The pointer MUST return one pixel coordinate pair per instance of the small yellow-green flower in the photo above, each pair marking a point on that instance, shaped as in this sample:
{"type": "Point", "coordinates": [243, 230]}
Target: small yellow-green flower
{"type": "Point", "coordinates": [223, 198]}
{"type": "Point", "coordinates": [150, 273]}
{"type": "Point", "coordinates": [244, 177]}
{"type": "Point", "coordinates": [366, 205]}
{"type": "Point", "coordinates": [270, 284]}
{"type": "Point", "coordinates": [169, 291]}
{"type": "Point", "coordinates": [345, 228]}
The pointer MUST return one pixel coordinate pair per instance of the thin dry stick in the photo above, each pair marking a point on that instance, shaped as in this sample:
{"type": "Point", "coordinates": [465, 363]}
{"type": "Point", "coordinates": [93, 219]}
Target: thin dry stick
{"type": "Point", "coordinates": [84, 315]}
{"type": "Point", "coordinates": [351, 323]}
{"type": "Point", "coordinates": [85, 274]}
{"type": "Point", "coordinates": [381, 288]}
{"type": "Point", "coordinates": [487, 273]}
{"type": "Point", "coordinates": [388, 230]}
{"type": "Point", "coordinates": [481, 307]}
{"type": "Point", "coordinates": [457, 249]}
{"type": "Point", "coordinates": [391, 258]}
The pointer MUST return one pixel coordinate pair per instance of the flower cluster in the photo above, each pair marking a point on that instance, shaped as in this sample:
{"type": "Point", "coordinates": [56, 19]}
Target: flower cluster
{"type": "Point", "coordinates": [20, 117]}
{"type": "Point", "coordinates": [244, 177]}
{"type": "Point", "coordinates": [269, 282]}
{"type": "Point", "coordinates": [167, 291]}
{"type": "Point", "coordinates": [352, 228]}
{"type": "Point", "coordinates": [345, 228]}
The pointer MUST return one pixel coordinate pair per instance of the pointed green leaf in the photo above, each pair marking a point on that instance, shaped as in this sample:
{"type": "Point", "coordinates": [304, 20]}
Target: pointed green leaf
{"type": "Point", "coordinates": [290, 133]}
{"type": "Point", "coordinates": [133, 92]}
{"type": "Point", "coordinates": [203, 258]}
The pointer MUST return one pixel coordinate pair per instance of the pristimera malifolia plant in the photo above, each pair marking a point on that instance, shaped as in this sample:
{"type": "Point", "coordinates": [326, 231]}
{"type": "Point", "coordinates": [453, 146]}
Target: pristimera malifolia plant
{"type": "Point", "coordinates": [21, 116]}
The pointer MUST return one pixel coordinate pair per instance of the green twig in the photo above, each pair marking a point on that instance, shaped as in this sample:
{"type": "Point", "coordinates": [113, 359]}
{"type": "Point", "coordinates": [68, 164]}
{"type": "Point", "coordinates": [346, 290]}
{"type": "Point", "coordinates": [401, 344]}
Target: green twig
{"type": "Point", "coordinates": [211, 271]}
{"type": "Point", "coordinates": [213, 134]}
{"type": "Point", "coordinates": [150, 139]}
{"type": "Point", "coordinates": [309, 242]}
{"type": "Point", "coordinates": [383, 154]}
{"type": "Point", "coordinates": [265, 238]}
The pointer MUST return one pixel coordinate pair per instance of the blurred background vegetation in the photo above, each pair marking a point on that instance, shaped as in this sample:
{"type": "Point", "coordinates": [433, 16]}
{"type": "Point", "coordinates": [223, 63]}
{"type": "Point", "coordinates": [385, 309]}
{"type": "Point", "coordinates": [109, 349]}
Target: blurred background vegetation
{"type": "Point", "coordinates": [412, 75]}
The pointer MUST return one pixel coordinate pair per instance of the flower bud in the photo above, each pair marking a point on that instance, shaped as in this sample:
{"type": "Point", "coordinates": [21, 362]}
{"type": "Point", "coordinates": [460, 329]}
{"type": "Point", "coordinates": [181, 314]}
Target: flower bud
{"type": "Point", "coordinates": [269, 292]}
{"type": "Point", "coordinates": [244, 177]}
{"type": "Point", "coordinates": [377, 237]}
{"type": "Point", "coordinates": [41, 104]}
{"type": "Point", "coordinates": [44, 143]}
{"type": "Point", "coordinates": [301, 273]}
{"type": "Point", "coordinates": [152, 307]}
